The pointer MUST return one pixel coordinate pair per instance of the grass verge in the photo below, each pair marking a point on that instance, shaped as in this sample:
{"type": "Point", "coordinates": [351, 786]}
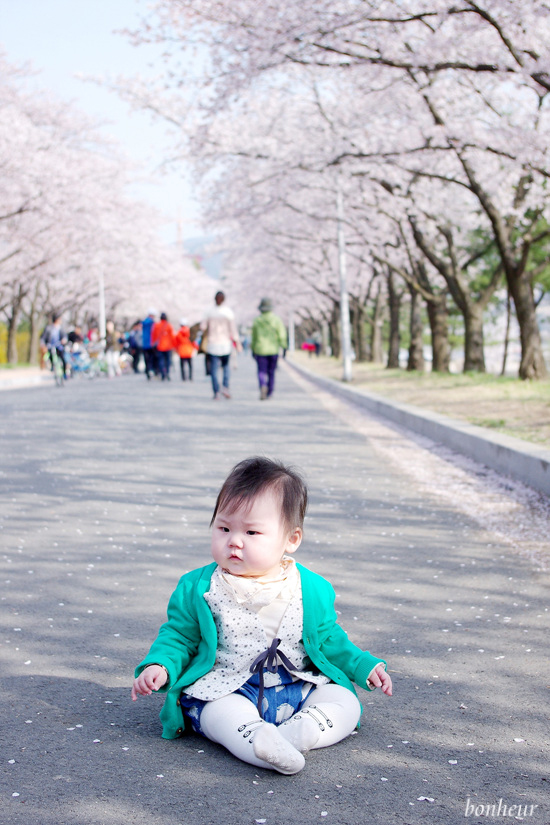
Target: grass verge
{"type": "Point", "coordinates": [501, 404]}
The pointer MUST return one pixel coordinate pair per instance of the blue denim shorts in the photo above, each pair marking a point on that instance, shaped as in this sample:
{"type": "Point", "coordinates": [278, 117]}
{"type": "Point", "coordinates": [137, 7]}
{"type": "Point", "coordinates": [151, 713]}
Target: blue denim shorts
{"type": "Point", "coordinates": [279, 703]}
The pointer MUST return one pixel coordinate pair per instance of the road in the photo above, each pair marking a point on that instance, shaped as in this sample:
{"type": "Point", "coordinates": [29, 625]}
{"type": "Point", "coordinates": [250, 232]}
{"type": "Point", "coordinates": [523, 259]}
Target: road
{"type": "Point", "coordinates": [107, 492]}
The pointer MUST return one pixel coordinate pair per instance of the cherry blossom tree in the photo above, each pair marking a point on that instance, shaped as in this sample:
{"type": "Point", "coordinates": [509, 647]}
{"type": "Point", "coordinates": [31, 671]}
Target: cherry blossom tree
{"type": "Point", "coordinates": [67, 220]}
{"type": "Point", "coordinates": [440, 106]}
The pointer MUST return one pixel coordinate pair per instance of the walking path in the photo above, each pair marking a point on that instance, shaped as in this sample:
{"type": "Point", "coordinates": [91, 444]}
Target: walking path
{"type": "Point", "coordinates": [107, 490]}
{"type": "Point", "coordinates": [19, 377]}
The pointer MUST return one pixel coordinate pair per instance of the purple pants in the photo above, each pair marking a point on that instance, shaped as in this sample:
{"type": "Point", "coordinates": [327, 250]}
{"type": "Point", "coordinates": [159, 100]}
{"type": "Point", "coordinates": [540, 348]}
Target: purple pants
{"type": "Point", "coordinates": [267, 364]}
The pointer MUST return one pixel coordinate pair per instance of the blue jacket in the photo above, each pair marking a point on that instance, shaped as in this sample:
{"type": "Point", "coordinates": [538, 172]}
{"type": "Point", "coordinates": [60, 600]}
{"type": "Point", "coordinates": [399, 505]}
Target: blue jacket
{"type": "Point", "coordinates": [186, 643]}
{"type": "Point", "coordinates": [147, 328]}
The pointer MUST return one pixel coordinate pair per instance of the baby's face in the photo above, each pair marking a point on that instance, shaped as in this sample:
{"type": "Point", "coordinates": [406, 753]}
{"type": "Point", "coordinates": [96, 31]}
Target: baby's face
{"type": "Point", "coordinates": [252, 540]}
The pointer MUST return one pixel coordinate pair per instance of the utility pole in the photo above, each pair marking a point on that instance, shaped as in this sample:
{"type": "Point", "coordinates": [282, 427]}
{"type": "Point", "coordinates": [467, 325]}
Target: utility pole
{"type": "Point", "coordinates": [102, 318]}
{"type": "Point", "coordinates": [291, 334]}
{"type": "Point", "coordinates": [345, 328]}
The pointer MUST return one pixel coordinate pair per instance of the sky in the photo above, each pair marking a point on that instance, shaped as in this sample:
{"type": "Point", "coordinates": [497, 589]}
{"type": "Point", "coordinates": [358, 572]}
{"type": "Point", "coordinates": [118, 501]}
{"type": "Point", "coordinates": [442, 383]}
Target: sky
{"type": "Point", "coordinates": [64, 38]}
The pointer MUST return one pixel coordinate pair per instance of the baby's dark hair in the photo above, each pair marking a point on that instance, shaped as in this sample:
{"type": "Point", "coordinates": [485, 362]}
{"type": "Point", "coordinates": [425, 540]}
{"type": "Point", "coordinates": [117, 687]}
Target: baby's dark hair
{"type": "Point", "coordinates": [253, 476]}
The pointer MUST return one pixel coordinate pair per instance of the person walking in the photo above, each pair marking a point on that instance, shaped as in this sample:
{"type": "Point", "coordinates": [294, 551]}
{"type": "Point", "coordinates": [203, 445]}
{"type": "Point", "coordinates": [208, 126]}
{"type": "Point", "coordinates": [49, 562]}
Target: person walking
{"type": "Point", "coordinates": [149, 350]}
{"type": "Point", "coordinates": [135, 344]}
{"type": "Point", "coordinates": [112, 350]}
{"type": "Point", "coordinates": [221, 335]}
{"type": "Point", "coordinates": [186, 348]}
{"type": "Point", "coordinates": [162, 337]}
{"type": "Point", "coordinates": [267, 338]}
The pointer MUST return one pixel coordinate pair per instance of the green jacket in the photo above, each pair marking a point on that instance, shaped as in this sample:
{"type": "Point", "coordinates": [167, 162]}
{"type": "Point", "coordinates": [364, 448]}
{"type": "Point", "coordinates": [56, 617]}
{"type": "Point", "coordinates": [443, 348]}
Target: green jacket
{"type": "Point", "coordinates": [268, 334]}
{"type": "Point", "coordinates": [186, 643]}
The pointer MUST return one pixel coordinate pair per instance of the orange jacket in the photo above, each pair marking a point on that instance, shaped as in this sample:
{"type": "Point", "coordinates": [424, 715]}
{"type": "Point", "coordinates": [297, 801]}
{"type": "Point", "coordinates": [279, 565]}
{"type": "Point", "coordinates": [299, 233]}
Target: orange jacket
{"type": "Point", "coordinates": [185, 347]}
{"type": "Point", "coordinates": [162, 336]}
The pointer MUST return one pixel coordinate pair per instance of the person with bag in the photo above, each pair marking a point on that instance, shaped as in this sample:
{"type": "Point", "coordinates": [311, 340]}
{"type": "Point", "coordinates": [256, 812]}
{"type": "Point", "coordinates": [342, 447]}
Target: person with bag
{"type": "Point", "coordinates": [267, 338]}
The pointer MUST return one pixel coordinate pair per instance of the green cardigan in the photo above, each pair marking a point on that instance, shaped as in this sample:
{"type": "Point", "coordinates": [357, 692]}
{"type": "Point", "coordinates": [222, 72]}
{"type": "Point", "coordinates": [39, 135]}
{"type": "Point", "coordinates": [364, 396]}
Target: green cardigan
{"type": "Point", "coordinates": [186, 643]}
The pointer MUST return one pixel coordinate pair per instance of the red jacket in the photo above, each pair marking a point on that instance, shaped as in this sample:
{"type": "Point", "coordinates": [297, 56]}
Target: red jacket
{"type": "Point", "coordinates": [185, 347]}
{"type": "Point", "coordinates": [162, 336]}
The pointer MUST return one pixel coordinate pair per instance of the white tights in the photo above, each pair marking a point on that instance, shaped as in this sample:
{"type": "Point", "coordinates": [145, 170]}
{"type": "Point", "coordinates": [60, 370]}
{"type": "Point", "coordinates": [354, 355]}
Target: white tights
{"type": "Point", "coordinates": [329, 714]}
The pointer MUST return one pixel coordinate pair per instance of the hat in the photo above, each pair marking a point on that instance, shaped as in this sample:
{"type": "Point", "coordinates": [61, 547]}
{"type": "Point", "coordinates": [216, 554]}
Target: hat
{"type": "Point", "coordinates": [266, 305]}
{"type": "Point", "coordinates": [184, 322]}
{"type": "Point", "coordinates": [152, 312]}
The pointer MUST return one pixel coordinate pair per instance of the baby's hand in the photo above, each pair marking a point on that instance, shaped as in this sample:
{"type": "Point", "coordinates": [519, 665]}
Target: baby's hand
{"type": "Point", "coordinates": [379, 678]}
{"type": "Point", "coordinates": [150, 679]}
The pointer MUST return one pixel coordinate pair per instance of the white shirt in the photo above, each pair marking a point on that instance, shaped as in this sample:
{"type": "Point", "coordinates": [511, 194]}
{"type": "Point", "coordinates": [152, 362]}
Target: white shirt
{"type": "Point", "coordinates": [220, 330]}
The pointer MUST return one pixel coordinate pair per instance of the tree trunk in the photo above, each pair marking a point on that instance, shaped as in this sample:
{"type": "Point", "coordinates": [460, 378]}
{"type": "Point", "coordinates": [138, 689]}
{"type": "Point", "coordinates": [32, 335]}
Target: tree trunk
{"type": "Point", "coordinates": [376, 348]}
{"type": "Point", "coordinates": [13, 323]}
{"type": "Point", "coordinates": [325, 333]}
{"type": "Point", "coordinates": [359, 332]}
{"type": "Point", "coordinates": [334, 326]}
{"type": "Point", "coordinates": [35, 322]}
{"type": "Point", "coordinates": [394, 301]}
{"type": "Point", "coordinates": [506, 333]}
{"type": "Point", "coordinates": [474, 358]}
{"type": "Point", "coordinates": [438, 316]}
{"type": "Point", "coordinates": [532, 360]}
{"type": "Point", "coordinates": [355, 326]}
{"type": "Point", "coordinates": [416, 327]}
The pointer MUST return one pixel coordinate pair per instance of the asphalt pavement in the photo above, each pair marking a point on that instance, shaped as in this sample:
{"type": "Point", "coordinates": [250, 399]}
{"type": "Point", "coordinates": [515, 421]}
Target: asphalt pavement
{"type": "Point", "coordinates": [107, 489]}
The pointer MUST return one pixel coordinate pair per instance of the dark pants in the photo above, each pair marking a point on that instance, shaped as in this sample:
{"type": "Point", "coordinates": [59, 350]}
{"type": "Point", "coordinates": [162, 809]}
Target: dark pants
{"type": "Point", "coordinates": [183, 362]}
{"type": "Point", "coordinates": [267, 364]}
{"type": "Point", "coordinates": [136, 355]}
{"type": "Point", "coordinates": [163, 360]}
{"type": "Point", "coordinates": [150, 356]}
